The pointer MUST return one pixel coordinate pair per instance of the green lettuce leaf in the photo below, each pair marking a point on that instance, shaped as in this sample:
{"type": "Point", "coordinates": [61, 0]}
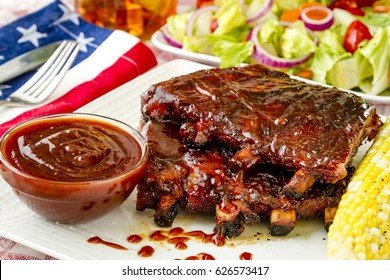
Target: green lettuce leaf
{"type": "Point", "coordinates": [232, 53]}
{"type": "Point", "coordinates": [197, 44]}
{"type": "Point", "coordinates": [229, 16]}
{"type": "Point", "coordinates": [296, 41]}
{"type": "Point", "coordinates": [376, 52]}
{"type": "Point", "coordinates": [238, 34]}
{"type": "Point", "coordinates": [284, 5]}
{"type": "Point", "coordinates": [176, 25]}
{"type": "Point", "coordinates": [375, 19]}
{"type": "Point", "coordinates": [270, 34]}
{"type": "Point", "coordinates": [202, 24]}
{"type": "Point", "coordinates": [329, 51]}
{"type": "Point", "coordinates": [356, 66]}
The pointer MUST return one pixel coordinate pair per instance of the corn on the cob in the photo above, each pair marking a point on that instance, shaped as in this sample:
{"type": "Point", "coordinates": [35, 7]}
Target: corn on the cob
{"type": "Point", "coordinates": [361, 227]}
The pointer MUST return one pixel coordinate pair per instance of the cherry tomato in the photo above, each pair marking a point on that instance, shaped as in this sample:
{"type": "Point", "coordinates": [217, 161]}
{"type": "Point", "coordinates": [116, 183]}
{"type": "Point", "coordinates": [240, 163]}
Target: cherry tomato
{"type": "Point", "coordinates": [355, 11]}
{"type": "Point", "coordinates": [348, 5]}
{"type": "Point", "coordinates": [356, 33]}
{"type": "Point", "coordinates": [365, 3]}
{"type": "Point", "coordinates": [213, 25]}
{"type": "Point", "coordinates": [341, 4]}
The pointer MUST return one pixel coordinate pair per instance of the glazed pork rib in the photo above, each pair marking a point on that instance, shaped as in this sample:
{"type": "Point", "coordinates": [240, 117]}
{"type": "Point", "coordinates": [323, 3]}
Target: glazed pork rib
{"type": "Point", "coordinates": [200, 180]}
{"type": "Point", "coordinates": [264, 116]}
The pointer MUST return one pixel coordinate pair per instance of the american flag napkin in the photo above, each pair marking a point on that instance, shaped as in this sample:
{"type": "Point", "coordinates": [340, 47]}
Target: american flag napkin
{"type": "Point", "coordinates": [107, 59]}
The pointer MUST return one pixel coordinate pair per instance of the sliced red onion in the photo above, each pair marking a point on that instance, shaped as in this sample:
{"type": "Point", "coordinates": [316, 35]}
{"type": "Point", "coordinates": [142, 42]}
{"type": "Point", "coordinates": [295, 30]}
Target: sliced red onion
{"type": "Point", "coordinates": [264, 57]}
{"type": "Point", "coordinates": [196, 14]}
{"type": "Point", "coordinates": [170, 40]}
{"type": "Point", "coordinates": [261, 12]}
{"type": "Point", "coordinates": [314, 24]}
{"type": "Point", "coordinates": [249, 36]}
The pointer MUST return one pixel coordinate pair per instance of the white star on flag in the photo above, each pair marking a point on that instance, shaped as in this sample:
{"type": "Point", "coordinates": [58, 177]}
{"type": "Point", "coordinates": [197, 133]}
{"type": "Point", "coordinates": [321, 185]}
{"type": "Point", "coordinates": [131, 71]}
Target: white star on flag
{"type": "Point", "coordinates": [30, 35]}
{"type": "Point", "coordinates": [84, 42]}
{"type": "Point", "coordinates": [68, 15]}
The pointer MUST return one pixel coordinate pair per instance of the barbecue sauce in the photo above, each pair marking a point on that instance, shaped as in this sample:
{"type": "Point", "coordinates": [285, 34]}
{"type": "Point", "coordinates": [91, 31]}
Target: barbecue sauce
{"type": "Point", "coordinates": [146, 251]}
{"type": "Point", "coordinates": [246, 256]}
{"type": "Point", "coordinates": [179, 242]}
{"type": "Point", "coordinates": [158, 236]}
{"type": "Point", "coordinates": [134, 238]}
{"type": "Point", "coordinates": [178, 235]}
{"type": "Point", "coordinates": [175, 231]}
{"type": "Point", "coordinates": [201, 256]}
{"type": "Point", "coordinates": [98, 240]}
{"type": "Point", "coordinates": [72, 150]}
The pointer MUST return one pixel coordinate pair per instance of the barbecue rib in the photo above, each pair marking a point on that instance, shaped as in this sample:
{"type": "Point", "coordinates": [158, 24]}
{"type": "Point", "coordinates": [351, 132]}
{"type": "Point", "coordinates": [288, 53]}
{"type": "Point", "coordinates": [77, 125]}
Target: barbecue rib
{"type": "Point", "coordinates": [264, 116]}
{"type": "Point", "coordinates": [200, 180]}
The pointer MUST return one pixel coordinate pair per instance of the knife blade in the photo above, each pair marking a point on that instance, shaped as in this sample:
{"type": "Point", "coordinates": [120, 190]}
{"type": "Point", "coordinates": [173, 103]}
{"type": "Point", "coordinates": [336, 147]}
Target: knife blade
{"type": "Point", "coordinates": [26, 62]}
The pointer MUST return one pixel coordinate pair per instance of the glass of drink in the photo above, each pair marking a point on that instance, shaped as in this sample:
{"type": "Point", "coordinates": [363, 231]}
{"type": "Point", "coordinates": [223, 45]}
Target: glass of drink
{"type": "Point", "coordinates": [138, 17]}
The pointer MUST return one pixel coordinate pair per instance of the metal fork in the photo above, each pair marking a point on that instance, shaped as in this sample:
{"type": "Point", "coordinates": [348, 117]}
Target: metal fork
{"type": "Point", "coordinates": [47, 78]}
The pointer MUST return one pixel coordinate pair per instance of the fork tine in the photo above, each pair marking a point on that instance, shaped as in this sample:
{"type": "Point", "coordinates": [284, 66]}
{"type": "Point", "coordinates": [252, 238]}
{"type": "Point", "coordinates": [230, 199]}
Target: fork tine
{"type": "Point", "coordinates": [50, 71]}
{"type": "Point", "coordinates": [54, 74]}
{"type": "Point", "coordinates": [47, 78]}
{"type": "Point", "coordinates": [43, 70]}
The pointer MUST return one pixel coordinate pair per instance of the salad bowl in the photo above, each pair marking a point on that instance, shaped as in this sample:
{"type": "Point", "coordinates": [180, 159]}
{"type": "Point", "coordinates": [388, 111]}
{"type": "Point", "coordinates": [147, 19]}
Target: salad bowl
{"type": "Point", "coordinates": [381, 102]}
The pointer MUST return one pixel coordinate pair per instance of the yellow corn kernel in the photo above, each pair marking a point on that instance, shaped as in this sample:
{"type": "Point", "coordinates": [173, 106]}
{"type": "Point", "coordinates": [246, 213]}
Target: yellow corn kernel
{"type": "Point", "coordinates": [361, 226]}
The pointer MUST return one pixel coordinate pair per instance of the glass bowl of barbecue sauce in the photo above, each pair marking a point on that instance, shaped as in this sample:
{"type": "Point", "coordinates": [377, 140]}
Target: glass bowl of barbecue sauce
{"type": "Point", "coordinates": [75, 167]}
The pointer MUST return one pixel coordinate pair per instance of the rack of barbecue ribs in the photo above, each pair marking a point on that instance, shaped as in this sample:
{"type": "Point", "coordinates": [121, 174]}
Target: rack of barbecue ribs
{"type": "Point", "coordinates": [248, 144]}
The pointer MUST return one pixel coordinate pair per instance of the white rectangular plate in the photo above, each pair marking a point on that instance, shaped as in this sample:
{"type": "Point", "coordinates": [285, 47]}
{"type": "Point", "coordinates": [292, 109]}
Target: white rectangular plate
{"type": "Point", "coordinates": [307, 241]}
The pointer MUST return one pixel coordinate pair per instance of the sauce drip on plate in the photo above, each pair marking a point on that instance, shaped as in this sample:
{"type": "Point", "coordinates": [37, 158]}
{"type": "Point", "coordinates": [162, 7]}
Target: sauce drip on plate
{"type": "Point", "coordinates": [98, 240]}
{"type": "Point", "coordinates": [246, 256]}
{"type": "Point", "coordinates": [146, 251]}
